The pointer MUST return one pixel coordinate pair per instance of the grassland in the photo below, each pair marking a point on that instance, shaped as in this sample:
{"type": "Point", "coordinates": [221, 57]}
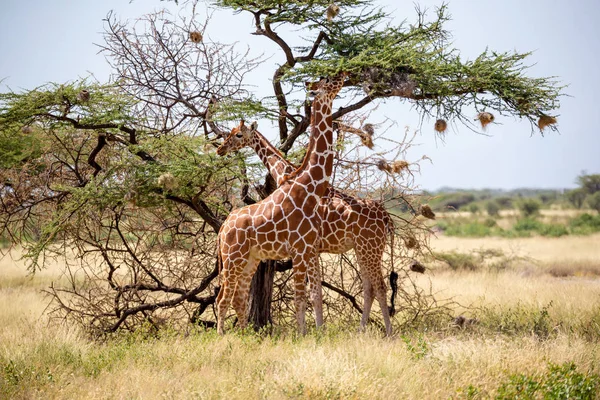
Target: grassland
{"type": "Point", "coordinates": [537, 334]}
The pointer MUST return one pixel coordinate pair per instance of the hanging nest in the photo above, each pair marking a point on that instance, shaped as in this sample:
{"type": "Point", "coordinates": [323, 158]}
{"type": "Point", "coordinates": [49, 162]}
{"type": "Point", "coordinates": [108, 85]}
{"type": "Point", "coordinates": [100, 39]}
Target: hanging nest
{"type": "Point", "coordinates": [394, 168]}
{"type": "Point", "coordinates": [167, 181]}
{"type": "Point", "coordinates": [411, 242]}
{"type": "Point", "coordinates": [83, 96]}
{"type": "Point", "coordinates": [367, 140]}
{"type": "Point", "coordinates": [381, 82]}
{"type": "Point", "coordinates": [26, 130]}
{"type": "Point", "coordinates": [441, 126]}
{"type": "Point", "coordinates": [369, 128]}
{"type": "Point", "coordinates": [416, 266]}
{"type": "Point", "coordinates": [426, 211]}
{"type": "Point", "coordinates": [382, 165]}
{"type": "Point", "coordinates": [332, 11]}
{"type": "Point", "coordinates": [546, 120]}
{"type": "Point", "coordinates": [398, 166]}
{"type": "Point", "coordinates": [195, 37]}
{"type": "Point", "coordinates": [485, 118]}
{"type": "Point", "coordinates": [366, 135]}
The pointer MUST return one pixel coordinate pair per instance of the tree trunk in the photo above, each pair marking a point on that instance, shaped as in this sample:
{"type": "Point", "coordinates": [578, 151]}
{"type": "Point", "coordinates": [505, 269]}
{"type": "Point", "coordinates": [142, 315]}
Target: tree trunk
{"type": "Point", "coordinates": [261, 295]}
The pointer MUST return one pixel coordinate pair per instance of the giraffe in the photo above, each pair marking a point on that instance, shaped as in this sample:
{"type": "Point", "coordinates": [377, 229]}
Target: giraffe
{"type": "Point", "coordinates": [286, 224]}
{"type": "Point", "coordinates": [348, 222]}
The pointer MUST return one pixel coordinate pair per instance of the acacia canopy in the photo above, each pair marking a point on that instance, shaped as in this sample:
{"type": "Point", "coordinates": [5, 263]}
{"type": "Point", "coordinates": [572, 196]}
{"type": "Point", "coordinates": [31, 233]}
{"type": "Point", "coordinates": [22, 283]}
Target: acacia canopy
{"type": "Point", "coordinates": [414, 61]}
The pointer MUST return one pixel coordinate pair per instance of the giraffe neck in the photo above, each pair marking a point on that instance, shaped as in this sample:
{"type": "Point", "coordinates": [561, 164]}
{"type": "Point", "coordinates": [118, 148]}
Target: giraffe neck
{"type": "Point", "coordinates": [278, 166]}
{"type": "Point", "coordinates": [317, 166]}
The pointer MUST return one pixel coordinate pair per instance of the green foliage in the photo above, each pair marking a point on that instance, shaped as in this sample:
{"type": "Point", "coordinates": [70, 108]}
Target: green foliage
{"type": "Point", "coordinates": [469, 229]}
{"type": "Point", "coordinates": [312, 14]}
{"type": "Point", "coordinates": [527, 225]}
{"type": "Point", "coordinates": [17, 146]}
{"type": "Point", "coordinates": [559, 382]}
{"type": "Point", "coordinates": [105, 104]}
{"type": "Point", "coordinates": [593, 201]}
{"type": "Point", "coordinates": [473, 208]}
{"type": "Point", "coordinates": [459, 261]}
{"type": "Point", "coordinates": [529, 207]}
{"type": "Point", "coordinates": [589, 183]}
{"type": "Point", "coordinates": [519, 319]}
{"type": "Point", "coordinates": [553, 230]}
{"type": "Point", "coordinates": [418, 347]}
{"type": "Point", "coordinates": [585, 224]}
{"type": "Point", "coordinates": [490, 222]}
{"type": "Point", "coordinates": [378, 55]}
{"type": "Point", "coordinates": [452, 201]}
{"type": "Point", "coordinates": [576, 197]}
{"type": "Point", "coordinates": [505, 202]}
{"type": "Point", "coordinates": [493, 208]}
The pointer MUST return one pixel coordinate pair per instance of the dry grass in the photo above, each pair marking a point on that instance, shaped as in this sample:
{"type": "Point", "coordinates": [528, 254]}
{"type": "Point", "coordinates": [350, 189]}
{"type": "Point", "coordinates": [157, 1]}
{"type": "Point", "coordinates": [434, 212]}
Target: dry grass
{"type": "Point", "coordinates": [545, 213]}
{"type": "Point", "coordinates": [567, 248]}
{"type": "Point", "coordinates": [38, 360]}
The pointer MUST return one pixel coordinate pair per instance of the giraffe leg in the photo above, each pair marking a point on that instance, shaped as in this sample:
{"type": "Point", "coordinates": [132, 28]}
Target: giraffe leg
{"type": "Point", "coordinates": [368, 300]}
{"type": "Point", "coordinates": [371, 267]}
{"type": "Point", "coordinates": [315, 282]}
{"type": "Point", "coordinates": [300, 296]}
{"type": "Point", "coordinates": [240, 299]}
{"type": "Point", "coordinates": [224, 296]}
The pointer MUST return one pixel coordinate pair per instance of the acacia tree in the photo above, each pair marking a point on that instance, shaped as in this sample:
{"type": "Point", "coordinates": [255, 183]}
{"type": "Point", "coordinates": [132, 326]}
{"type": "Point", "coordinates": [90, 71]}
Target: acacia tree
{"type": "Point", "coordinates": [123, 175]}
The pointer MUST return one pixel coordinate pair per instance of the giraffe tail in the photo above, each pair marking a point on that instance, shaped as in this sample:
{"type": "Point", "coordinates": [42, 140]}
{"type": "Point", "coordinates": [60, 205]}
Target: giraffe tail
{"type": "Point", "coordinates": [393, 274]}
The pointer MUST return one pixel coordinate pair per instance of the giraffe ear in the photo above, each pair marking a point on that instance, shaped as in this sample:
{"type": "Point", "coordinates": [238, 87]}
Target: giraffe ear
{"type": "Point", "coordinates": [254, 125]}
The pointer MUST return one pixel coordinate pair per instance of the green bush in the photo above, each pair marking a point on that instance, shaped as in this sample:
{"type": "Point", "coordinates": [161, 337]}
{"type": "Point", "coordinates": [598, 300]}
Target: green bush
{"type": "Point", "coordinates": [559, 382]}
{"type": "Point", "coordinates": [585, 224]}
{"type": "Point", "coordinates": [527, 225]}
{"type": "Point", "coordinates": [529, 207]}
{"type": "Point", "coordinates": [473, 208]}
{"type": "Point", "coordinates": [492, 208]}
{"type": "Point", "coordinates": [459, 261]}
{"type": "Point", "coordinates": [553, 230]}
{"type": "Point", "coordinates": [593, 201]}
{"type": "Point", "coordinates": [490, 222]}
{"type": "Point", "coordinates": [469, 229]}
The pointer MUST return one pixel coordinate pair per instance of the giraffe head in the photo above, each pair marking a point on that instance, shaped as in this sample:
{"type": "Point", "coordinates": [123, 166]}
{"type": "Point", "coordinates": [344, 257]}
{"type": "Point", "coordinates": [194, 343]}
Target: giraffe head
{"type": "Point", "coordinates": [327, 88]}
{"type": "Point", "coordinates": [240, 137]}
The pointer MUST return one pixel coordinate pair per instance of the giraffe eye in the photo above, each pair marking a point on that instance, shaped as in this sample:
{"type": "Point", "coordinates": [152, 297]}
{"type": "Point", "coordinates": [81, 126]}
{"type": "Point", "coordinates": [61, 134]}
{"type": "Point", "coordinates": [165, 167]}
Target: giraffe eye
{"type": "Point", "coordinates": [238, 135]}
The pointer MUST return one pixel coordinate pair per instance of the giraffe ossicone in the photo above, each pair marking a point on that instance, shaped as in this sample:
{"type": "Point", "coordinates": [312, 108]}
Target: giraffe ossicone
{"type": "Point", "coordinates": [347, 222]}
{"type": "Point", "coordinates": [286, 224]}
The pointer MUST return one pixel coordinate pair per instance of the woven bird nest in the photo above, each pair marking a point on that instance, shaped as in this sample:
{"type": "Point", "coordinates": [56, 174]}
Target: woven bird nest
{"type": "Point", "coordinates": [167, 181]}
{"type": "Point", "coordinates": [195, 37]}
{"type": "Point", "coordinates": [83, 96]}
{"type": "Point", "coordinates": [546, 120]}
{"type": "Point", "coordinates": [485, 118]}
{"type": "Point", "coordinates": [397, 83]}
{"type": "Point", "coordinates": [411, 242]}
{"type": "Point", "coordinates": [441, 126]}
{"type": "Point", "coordinates": [332, 11]}
{"type": "Point", "coordinates": [416, 266]}
{"type": "Point", "coordinates": [426, 211]}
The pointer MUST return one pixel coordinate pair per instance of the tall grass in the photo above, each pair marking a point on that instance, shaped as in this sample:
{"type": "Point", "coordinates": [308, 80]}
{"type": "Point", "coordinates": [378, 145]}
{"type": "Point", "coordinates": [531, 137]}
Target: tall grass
{"type": "Point", "coordinates": [532, 328]}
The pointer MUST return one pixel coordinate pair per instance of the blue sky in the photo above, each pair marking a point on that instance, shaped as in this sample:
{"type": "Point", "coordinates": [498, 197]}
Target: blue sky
{"type": "Point", "coordinates": [53, 40]}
